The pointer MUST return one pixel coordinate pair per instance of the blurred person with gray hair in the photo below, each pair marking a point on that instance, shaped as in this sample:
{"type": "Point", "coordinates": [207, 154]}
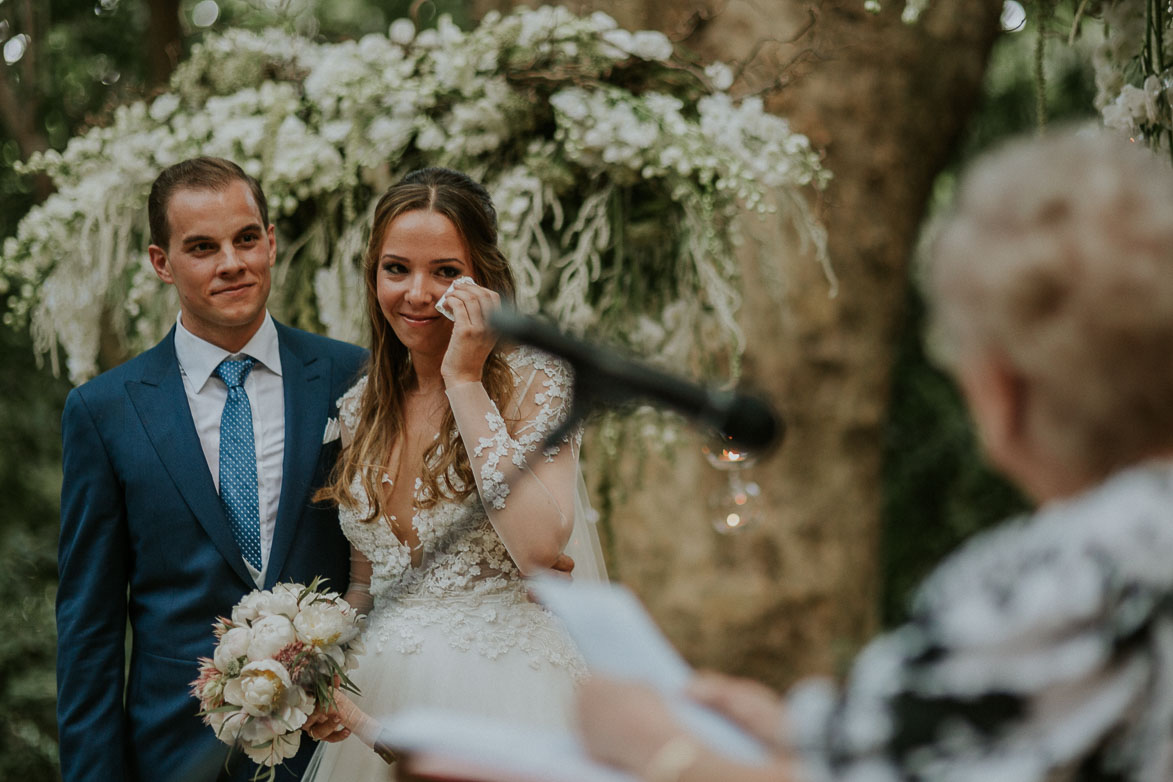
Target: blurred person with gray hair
{"type": "Point", "coordinates": [1043, 649]}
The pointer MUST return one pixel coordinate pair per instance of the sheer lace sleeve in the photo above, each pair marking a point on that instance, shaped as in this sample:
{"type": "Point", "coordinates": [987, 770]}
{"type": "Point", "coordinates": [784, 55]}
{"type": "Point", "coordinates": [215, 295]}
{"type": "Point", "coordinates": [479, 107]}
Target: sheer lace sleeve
{"type": "Point", "coordinates": [348, 407]}
{"type": "Point", "coordinates": [528, 490]}
{"type": "Point", "coordinates": [359, 592]}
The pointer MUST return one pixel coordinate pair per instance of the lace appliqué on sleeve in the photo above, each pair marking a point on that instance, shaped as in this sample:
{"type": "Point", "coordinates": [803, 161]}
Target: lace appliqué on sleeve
{"type": "Point", "coordinates": [552, 400]}
{"type": "Point", "coordinates": [494, 487]}
{"type": "Point", "coordinates": [549, 407]}
{"type": "Point", "coordinates": [349, 402]}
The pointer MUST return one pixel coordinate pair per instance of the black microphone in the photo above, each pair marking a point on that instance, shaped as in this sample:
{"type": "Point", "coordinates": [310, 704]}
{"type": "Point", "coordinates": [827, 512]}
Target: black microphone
{"type": "Point", "coordinates": [602, 376]}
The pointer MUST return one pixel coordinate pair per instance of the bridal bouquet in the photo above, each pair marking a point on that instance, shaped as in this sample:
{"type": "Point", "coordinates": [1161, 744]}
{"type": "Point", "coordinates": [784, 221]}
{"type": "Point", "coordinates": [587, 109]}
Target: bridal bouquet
{"type": "Point", "coordinates": [277, 659]}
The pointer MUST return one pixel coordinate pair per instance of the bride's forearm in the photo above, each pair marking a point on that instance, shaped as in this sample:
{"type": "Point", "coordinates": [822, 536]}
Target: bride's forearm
{"type": "Point", "coordinates": [531, 520]}
{"type": "Point", "coordinates": [360, 724]}
{"type": "Point", "coordinates": [358, 595]}
{"type": "Point", "coordinates": [359, 599]}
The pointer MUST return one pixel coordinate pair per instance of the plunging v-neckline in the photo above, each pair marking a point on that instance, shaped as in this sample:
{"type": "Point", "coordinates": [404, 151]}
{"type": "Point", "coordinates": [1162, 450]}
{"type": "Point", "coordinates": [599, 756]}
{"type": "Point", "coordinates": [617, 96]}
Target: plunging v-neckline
{"type": "Point", "coordinates": [405, 532]}
{"type": "Point", "coordinates": [403, 525]}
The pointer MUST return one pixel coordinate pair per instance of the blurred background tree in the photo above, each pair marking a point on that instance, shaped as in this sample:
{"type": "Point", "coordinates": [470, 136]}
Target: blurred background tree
{"type": "Point", "coordinates": [67, 62]}
{"type": "Point", "coordinates": [937, 489]}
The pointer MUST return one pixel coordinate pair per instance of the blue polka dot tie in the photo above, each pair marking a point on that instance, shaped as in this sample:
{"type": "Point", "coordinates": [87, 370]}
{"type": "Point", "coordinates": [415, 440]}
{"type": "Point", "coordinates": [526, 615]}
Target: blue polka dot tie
{"type": "Point", "coordinates": [238, 461]}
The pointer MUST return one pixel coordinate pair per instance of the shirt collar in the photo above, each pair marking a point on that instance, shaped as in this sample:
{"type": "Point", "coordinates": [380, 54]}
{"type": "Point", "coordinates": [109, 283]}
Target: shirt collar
{"type": "Point", "coordinates": [199, 358]}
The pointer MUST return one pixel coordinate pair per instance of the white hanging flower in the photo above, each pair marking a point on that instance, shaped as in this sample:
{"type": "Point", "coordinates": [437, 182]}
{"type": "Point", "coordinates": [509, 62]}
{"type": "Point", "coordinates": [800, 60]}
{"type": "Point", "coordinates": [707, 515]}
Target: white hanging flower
{"type": "Point", "coordinates": [720, 74]}
{"type": "Point", "coordinates": [592, 178]}
{"type": "Point", "coordinates": [402, 31]}
{"type": "Point", "coordinates": [164, 106]}
{"type": "Point", "coordinates": [651, 45]}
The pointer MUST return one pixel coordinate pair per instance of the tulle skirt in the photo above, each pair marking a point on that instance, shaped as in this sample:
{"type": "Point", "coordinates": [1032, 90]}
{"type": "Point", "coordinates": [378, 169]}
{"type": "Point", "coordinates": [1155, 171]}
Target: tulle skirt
{"type": "Point", "coordinates": [499, 656]}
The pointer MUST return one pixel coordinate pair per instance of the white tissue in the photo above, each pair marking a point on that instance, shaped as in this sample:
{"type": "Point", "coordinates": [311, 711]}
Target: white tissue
{"type": "Point", "coordinates": [442, 304]}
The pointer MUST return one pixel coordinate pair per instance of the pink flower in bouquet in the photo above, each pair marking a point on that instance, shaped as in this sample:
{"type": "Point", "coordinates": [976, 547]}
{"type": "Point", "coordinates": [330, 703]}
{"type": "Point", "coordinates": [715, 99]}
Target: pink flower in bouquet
{"type": "Point", "coordinates": [209, 687]}
{"type": "Point", "coordinates": [297, 658]}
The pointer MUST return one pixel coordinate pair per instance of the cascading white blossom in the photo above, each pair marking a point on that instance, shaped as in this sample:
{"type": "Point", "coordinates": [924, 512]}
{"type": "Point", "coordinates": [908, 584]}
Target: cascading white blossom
{"type": "Point", "coordinates": [1134, 70]}
{"type": "Point", "coordinates": [1133, 62]}
{"type": "Point", "coordinates": [619, 172]}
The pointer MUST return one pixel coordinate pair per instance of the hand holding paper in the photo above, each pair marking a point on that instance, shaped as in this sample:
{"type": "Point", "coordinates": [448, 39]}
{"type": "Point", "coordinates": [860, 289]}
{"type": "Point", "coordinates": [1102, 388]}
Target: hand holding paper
{"type": "Point", "coordinates": [619, 641]}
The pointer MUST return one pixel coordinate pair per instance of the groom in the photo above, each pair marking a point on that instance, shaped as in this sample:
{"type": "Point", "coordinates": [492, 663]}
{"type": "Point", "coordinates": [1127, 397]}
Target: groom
{"type": "Point", "coordinates": [188, 474]}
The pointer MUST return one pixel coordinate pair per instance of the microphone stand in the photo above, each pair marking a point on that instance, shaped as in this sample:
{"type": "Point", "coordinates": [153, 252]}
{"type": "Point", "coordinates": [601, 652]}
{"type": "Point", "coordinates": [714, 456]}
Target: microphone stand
{"type": "Point", "coordinates": [604, 378]}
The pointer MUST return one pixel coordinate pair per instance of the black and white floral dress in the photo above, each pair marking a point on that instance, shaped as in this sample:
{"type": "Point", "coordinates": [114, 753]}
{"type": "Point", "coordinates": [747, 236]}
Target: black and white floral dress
{"type": "Point", "coordinates": [1042, 650]}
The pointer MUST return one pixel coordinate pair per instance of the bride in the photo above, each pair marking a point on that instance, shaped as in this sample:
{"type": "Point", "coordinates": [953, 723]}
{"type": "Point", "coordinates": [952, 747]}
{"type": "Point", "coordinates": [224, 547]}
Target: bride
{"type": "Point", "coordinates": [447, 493]}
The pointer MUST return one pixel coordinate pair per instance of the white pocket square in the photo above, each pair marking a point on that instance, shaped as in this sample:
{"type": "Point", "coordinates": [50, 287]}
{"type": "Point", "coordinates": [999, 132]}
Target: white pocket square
{"type": "Point", "coordinates": [333, 431]}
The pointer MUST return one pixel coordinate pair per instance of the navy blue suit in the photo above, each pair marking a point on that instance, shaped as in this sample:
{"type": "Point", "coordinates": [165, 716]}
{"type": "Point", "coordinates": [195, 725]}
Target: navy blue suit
{"type": "Point", "coordinates": [144, 537]}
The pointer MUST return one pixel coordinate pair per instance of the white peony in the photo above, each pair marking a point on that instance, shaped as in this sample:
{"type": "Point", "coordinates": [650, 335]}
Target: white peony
{"type": "Point", "coordinates": [270, 752]}
{"type": "Point", "coordinates": [323, 623]}
{"type": "Point", "coordinates": [232, 646]}
{"type": "Point", "coordinates": [284, 600]}
{"type": "Point", "coordinates": [227, 724]}
{"type": "Point", "coordinates": [270, 635]}
{"type": "Point", "coordinates": [249, 607]}
{"type": "Point", "coordinates": [263, 688]}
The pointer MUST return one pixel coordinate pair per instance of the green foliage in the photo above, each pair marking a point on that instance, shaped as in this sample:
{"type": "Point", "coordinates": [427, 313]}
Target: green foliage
{"type": "Point", "coordinates": [30, 474]}
{"type": "Point", "coordinates": [78, 62]}
{"type": "Point", "coordinates": [331, 19]}
{"type": "Point", "coordinates": [937, 489]}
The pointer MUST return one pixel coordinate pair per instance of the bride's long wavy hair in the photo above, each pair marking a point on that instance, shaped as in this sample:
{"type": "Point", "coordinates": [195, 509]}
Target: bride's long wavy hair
{"type": "Point", "coordinates": [446, 471]}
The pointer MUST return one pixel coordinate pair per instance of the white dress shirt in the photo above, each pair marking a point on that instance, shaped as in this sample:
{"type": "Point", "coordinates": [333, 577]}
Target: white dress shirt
{"type": "Point", "coordinates": [206, 395]}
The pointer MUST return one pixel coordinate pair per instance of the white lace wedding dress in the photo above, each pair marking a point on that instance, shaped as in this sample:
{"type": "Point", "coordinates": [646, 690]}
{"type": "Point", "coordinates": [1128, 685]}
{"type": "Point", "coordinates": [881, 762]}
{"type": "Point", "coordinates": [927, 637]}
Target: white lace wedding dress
{"type": "Point", "coordinates": [457, 631]}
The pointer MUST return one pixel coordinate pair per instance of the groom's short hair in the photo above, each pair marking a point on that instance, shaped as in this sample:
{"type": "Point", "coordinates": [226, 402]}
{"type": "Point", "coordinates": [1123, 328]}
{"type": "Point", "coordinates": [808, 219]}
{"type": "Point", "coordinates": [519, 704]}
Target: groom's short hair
{"type": "Point", "coordinates": [198, 173]}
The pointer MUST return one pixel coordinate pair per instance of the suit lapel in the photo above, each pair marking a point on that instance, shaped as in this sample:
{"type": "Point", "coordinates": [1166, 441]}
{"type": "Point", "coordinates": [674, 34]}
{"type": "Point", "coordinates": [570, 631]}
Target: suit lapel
{"type": "Point", "coordinates": [161, 402]}
{"type": "Point", "coordinates": [307, 406]}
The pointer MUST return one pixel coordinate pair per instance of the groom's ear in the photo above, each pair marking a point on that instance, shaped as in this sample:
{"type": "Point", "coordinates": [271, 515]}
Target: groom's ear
{"type": "Point", "coordinates": [159, 263]}
{"type": "Point", "coordinates": [272, 233]}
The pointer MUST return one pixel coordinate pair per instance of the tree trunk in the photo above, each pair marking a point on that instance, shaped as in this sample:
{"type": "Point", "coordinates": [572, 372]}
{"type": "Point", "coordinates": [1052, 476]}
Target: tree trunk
{"type": "Point", "coordinates": [886, 102]}
{"type": "Point", "coordinates": [164, 39]}
{"type": "Point", "coordinates": [20, 110]}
